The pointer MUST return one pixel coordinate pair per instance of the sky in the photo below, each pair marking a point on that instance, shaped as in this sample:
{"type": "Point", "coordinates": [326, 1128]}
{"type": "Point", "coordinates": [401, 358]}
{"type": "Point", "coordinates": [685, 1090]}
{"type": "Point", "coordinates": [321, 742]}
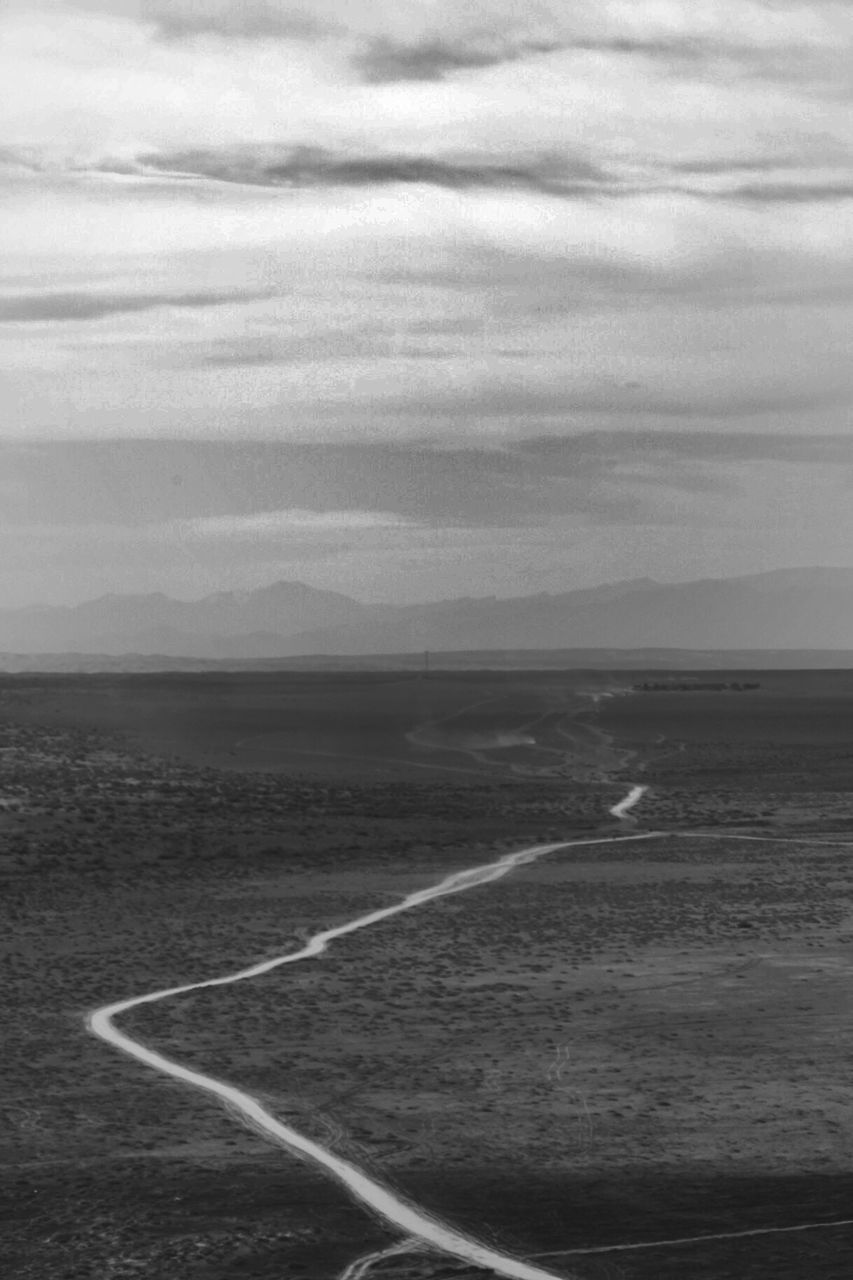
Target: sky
{"type": "Point", "coordinates": [421, 299]}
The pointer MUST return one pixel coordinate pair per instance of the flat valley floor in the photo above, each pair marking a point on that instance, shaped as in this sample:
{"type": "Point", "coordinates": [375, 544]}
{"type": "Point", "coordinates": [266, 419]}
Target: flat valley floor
{"type": "Point", "coordinates": [639, 1045]}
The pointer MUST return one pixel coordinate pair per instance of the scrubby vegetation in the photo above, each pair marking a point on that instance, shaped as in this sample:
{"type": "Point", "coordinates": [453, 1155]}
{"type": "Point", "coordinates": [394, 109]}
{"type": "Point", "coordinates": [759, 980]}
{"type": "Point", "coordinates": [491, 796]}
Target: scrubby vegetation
{"type": "Point", "coordinates": [528, 1059]}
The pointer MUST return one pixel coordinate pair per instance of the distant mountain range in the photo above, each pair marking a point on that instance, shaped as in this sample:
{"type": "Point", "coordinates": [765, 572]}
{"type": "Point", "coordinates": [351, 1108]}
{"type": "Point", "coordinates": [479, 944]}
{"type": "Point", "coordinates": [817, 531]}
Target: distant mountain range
{"type": "Point", "coordinates": [803, 609]}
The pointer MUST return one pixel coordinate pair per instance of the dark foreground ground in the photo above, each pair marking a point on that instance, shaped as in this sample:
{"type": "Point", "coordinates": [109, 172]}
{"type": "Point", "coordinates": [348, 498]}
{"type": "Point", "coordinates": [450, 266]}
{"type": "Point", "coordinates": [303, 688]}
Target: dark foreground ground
{"type": "Point", "coordinates": [622, 1044]}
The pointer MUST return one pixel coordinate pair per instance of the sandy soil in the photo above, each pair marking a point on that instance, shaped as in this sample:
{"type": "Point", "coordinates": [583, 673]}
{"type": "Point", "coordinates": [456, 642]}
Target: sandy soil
{"type": "Point", "coordinates": [611, 1047]}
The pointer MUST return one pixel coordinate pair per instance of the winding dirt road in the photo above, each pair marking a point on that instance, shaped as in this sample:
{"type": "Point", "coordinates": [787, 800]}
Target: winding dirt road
{"type": "Point", "coordinates": [620, 810]}
{"type": "Point", "coordinates": [408, 1218]}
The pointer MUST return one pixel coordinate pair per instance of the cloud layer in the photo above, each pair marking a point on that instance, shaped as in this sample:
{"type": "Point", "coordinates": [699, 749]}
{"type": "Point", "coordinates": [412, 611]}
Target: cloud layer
{"type": "Point", "coordinates": [493, 238]}
{"type": "Point", "coordinates": [406, 521]}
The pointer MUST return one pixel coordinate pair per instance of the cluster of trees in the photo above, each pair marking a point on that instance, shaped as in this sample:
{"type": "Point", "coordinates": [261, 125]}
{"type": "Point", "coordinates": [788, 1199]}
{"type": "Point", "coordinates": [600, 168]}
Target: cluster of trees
{"type": "Point", "coordinates": [713, 686]}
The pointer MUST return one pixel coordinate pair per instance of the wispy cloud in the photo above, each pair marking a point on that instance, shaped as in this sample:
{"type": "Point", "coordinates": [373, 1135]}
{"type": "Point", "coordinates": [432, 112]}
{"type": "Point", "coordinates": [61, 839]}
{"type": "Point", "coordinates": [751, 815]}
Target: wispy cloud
{"type": "Point", "coordinates": [719, 448]}
{"type": "Point", "coordinates": [314, 167]}
{"type": "Point", "coordinates": [86, 84]}
{"type": "Point", "coordinates": [562, 266]}
{"type": "Point", "coordinates": [88, 305]}
{"type": "Point", "coordinates": [248, 19]}
{"type": "Point", "coordinates": [432, 58]}
{"type": "Point", "coordinates": [803, 192]}
{"type": "Point", "coordinates": [261, 525]}
{"type": "Point", "coordinates": [248, 489]}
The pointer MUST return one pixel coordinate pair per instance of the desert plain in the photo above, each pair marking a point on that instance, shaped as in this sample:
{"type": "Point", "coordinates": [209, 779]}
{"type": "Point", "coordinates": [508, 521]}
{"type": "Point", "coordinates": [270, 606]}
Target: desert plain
{"type": "Point", "coordinates": [625, 1060]}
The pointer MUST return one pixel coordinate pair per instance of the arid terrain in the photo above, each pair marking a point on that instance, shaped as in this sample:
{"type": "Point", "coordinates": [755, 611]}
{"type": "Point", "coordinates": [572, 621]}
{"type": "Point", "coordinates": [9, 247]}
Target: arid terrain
{"type": "Point", "coordinates": [619, 1044]}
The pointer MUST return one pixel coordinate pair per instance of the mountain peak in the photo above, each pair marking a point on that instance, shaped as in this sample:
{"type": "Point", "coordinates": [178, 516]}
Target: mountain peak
{"type": "Point", "coordinates": [783, 609]}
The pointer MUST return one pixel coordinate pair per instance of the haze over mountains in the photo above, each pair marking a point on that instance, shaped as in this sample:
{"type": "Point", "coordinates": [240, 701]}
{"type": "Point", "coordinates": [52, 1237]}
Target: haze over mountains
{"type": "Point", "coordinates": [783, 609]}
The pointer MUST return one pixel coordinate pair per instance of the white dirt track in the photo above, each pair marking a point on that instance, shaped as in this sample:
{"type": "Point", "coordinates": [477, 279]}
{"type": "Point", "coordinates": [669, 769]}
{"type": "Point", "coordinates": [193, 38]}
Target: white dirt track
{"type": "Point", "coordinates": [385, 1203]}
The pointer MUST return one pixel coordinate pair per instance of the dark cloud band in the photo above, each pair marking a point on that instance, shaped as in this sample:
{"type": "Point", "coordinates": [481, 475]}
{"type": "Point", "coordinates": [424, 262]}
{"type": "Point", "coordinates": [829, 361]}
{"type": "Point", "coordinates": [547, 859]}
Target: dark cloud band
{"type": "Point", "coordinates": [31, 307]}
{"type": "Point", "coordinates": [315, 167]}
{"type": "Point", "coordinates": [604, 474]}
{"type": "Point", "coordinates": [385, 61]}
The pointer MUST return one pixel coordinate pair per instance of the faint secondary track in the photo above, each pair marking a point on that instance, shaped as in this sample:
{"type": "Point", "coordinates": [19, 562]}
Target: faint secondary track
{"type": "Point", "coordinates": [245, 745]}
{"type": "Point", "coordinates": [384, 1202]}
{"type": "Point", "coordinates": [737, 835]}
{"type": "Point", "coordinates": [359, 1269]}
{"type": "Point", "coordinates": [683, 1240]}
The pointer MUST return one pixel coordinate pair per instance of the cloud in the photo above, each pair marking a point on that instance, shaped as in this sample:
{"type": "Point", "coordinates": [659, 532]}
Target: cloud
{"type": "Point", "coordinates": [509, 401]}
{"type": "Point", "coordinates": [489, 319]}
{"type": "Point", "coordinates": [86, 86]}
{"type": "Point", "coordinates": [313, 166]}
{"type": "Point", "coordinates": [232, 19]}
{"type": "Point", "coordinates": [417, 521]}
{"type": "Point", "coordinates": [261, 232]}
{"type": "Point", "coordinates": [431, 58]}
{"type": "Point", "coordinates": [265, 525]}
{"type": "Point", "coordinates": [246, 19]}
{"type": "Point", "coordinates": [754, 22]}
{"type": "Point", "coordinates": [246, 490]}
{"type": "Point", "coordinates": [719, 447]}
{"type": "Point", "coordinates": [370, 341]}
{"type": "Point", "coordinates": [803, 192]}
{"type": "Point", "coordinates": [40, 307]}
{"type": "Point", "coordinates": [563, 270]}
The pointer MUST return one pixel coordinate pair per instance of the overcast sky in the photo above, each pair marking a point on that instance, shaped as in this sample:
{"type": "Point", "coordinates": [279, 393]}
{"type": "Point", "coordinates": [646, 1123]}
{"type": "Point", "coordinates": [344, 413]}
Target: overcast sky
{"type": "Point", "coordinates": [414, 298]}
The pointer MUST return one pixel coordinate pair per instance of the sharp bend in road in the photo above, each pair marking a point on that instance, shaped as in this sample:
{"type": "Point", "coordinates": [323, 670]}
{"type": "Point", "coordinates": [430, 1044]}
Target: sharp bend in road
{"type": "Point", "coordinates": [620, 810]}
{"type": "Point", "coordinates": [385, 1203]}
